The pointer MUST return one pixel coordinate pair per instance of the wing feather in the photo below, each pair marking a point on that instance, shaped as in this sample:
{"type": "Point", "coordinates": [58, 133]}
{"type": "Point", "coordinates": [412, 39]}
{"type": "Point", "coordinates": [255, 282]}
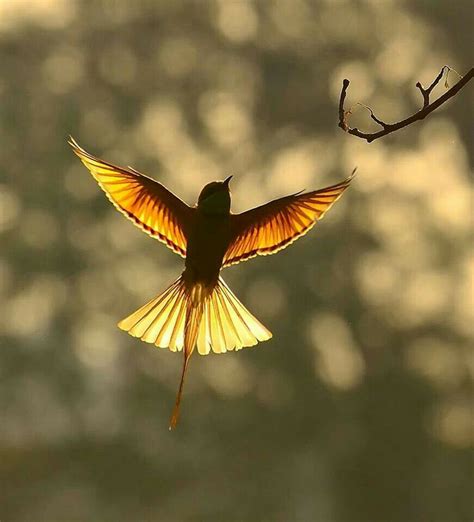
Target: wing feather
{"type": "Point", "coordinates": [147, 203]}
{"type": "Point", "coordinates": [271, 227]}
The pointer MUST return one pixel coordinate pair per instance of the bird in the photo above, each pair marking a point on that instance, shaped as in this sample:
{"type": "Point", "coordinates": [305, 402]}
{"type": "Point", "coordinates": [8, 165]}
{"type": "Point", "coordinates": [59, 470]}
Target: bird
{"type": "Point", "coordinates": [198, 310]}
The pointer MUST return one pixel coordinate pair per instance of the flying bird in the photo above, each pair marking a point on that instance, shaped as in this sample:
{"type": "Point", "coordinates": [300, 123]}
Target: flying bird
{"type": "Point", "coordinates": [198, 310]}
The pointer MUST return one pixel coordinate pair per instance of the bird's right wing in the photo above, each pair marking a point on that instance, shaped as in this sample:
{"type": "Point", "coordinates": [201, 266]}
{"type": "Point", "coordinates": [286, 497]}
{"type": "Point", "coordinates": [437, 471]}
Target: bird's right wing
{"type": "Point", "coordinates": [271, 227]}
{"type": "Point", "coordinates": [147, 203]}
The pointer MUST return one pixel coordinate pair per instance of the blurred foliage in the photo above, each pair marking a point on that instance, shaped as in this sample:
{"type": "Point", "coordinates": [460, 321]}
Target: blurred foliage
{"type": "Point", "coordinates": [359, 409]}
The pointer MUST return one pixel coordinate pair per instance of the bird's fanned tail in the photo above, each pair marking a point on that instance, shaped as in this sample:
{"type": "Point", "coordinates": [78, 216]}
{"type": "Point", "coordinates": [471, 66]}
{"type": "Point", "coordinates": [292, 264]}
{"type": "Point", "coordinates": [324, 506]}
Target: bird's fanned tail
{"type": "Point", "coordinates": [186, 316]}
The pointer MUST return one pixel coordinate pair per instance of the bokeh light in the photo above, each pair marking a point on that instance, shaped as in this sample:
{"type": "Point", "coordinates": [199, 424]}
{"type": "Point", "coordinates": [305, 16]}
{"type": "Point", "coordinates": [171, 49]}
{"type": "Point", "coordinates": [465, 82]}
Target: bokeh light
{"type": "Point", "coordinates": [360, 407]}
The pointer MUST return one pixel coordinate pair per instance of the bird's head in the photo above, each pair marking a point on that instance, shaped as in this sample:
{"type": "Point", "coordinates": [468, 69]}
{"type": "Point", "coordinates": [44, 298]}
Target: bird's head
{"type": "Point", "coordinates": [215, 197]}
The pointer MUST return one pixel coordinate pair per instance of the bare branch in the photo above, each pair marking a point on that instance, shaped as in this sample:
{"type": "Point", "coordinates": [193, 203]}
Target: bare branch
{"type": "Point", "coordinates": [372, 115]}
{"type": "Point", "coordinates": [427, 92]}
{"type": "Point", "coordinates": [388, 128]}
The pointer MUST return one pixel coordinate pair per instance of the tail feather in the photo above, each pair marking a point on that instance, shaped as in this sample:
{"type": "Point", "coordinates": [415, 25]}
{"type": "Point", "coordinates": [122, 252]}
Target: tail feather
{"type": "Point", "coordinates": [160, 321]}
{"type": "Point", "coordinates": [227, 324]}
{"type": "Point", "coordinates": [182, 317]}
{"type": "Point", "coordinates": [194, 309]}
{"type": "Point", "coordinates": [175, 413]}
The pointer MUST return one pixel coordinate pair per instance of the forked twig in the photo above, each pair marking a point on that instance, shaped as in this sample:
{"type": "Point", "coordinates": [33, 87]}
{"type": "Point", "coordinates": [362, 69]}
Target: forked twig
{"type": "Point", "coordinates": [388, 128]}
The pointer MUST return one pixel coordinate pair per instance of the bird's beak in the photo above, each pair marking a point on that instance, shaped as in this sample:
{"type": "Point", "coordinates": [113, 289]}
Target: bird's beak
{"type": "Point", "coordinates": [227, 180]}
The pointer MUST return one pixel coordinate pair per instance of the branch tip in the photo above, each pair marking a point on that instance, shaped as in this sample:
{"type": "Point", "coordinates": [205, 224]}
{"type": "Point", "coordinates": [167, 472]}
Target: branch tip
{"type": "Point", "coordinates": [426, 109]}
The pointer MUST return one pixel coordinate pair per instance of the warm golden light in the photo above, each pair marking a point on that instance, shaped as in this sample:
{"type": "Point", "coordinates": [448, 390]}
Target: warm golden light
{"type": "Point", "coordinates": [359, 408]}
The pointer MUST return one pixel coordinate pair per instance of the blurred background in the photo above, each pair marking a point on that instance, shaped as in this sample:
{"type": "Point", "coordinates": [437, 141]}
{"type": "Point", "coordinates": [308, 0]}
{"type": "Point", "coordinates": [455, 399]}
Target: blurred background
{"type": "Point", "coordinates": [359, 409]}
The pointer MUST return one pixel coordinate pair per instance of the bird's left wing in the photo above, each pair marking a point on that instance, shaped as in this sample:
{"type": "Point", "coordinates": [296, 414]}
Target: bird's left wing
{"type": "Point", "coordinates": [267, 229]}
{"type": "Point", "coordinates": [147, 203]}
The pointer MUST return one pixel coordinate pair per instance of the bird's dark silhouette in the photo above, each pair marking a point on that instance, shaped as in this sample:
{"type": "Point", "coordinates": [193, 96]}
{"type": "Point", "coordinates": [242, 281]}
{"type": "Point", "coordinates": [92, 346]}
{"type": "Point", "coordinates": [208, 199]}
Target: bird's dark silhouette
{"type": "Point", "coordinates": [198, 309]}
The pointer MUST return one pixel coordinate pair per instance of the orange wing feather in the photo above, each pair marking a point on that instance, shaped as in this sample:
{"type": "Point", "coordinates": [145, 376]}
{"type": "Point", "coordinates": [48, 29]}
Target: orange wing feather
{"type": "Point", "coordinates": [271, 227]}
{"type": "Point", "coordinates": [147, 203]}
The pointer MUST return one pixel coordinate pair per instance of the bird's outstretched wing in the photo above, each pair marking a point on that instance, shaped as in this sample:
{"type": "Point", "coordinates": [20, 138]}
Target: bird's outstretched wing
{"type": "Point", "coordinates": [267, 229]}
{"type": "Point", "coordinates": [147, 203]}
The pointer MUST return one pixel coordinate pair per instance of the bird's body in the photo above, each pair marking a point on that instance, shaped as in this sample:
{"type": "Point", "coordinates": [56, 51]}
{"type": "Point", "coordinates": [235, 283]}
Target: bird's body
{"type": "Point", "coordinates": [208, 240]}
{"type": "Point", "coordinates": [198, 310]}
{"type": "Point", "coordinates": [207, 244]}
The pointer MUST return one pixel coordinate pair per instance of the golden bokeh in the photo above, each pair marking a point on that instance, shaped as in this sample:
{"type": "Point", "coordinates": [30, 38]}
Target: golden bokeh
{"type": "Point", "coordinates": [360, 408]}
